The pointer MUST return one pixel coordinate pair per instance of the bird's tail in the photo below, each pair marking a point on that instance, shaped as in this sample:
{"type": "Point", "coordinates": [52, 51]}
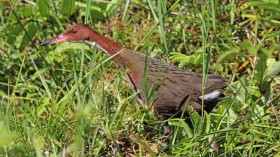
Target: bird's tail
{"type": "Point", "coordinates": [212, 99]}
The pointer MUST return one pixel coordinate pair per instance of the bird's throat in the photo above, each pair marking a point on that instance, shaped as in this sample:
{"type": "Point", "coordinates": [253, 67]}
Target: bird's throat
{"type": "Point", "coordinates": [105, 44]}
{"type": "Point", "coordinates": [113, 49]}
{"type": "Point", "coordinates": [92, 43]}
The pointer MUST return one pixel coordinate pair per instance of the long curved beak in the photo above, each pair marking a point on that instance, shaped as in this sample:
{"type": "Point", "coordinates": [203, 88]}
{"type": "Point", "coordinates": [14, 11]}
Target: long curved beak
{"type": "Point", "coordinates": [58, 39]}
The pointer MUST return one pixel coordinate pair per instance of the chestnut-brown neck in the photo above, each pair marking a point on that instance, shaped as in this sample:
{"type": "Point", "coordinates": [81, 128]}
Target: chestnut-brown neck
{"type": "Point", "coordinates": [107, 45]}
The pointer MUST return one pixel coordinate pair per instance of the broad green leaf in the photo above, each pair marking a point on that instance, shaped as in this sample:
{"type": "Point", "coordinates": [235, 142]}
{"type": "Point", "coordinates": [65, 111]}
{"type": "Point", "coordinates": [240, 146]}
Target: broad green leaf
{"type": "Point", "coordinates": [73, 46]}
{"type": "Point", "coordinates": [31, 30]}
{"type": "Point", "coordinates": [195, 119]}
{"type": "Point", "coordinates": [6, 136]}
{"type": "Point", "coordinates": [56, 54]}
{"type": "Point", "coordinates": [260, 70]}
{"type": "Point", "coordinates": [275, 69]}
{"type": "Point", "coordinates": [96, 10]}
{"type": "Point", "coordinates": [188, 130]}
{"type": "Point", "coordinates": [43, 7]}
{"type": "Point", "coordinates": [27, 11]}
{"type": "Point", "coordinates": [13, 34]}
{"type": "Point", "coordinates": [228, 55]}
{"type": "Point", "coordinates": [242, 90]}
{"type": "Point", "coordinates": [68, 7]}
{"type": "Point", "coordinates": [184, 60]}
{"type": "Point", "coordinates": [265, 5]}
{"type": "Point", "coordinates": [112, 7]}
{"type": "Point", "coordinates": [207, 122]}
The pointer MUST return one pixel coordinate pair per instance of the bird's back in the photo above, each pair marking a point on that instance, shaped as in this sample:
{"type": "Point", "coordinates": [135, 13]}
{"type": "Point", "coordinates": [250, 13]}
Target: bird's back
{"type": "Point", "coordinates": [177, 87]}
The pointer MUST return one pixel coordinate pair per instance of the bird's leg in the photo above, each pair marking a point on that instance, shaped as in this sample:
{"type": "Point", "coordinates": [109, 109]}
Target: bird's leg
{"type": "Point", "coordinates": [139, 101]}
{"type": "Point", "coordinates": [166, 130]}
{"type": "Point", "coordinates": [214, 144]}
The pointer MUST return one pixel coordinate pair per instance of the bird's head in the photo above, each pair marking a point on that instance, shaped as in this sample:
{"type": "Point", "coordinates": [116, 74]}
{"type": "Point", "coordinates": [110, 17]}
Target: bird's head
{"type": "Point", "coordinates": [76, 33]}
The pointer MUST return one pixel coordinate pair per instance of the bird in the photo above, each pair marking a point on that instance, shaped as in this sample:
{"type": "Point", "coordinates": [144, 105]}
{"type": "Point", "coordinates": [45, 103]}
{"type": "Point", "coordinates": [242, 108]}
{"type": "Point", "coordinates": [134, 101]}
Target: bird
{"type": "Point", "coordinates": [176, 87]}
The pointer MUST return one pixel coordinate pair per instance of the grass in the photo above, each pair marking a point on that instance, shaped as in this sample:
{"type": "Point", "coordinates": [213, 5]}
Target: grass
{"type": "Point", "coordinates": [72, 98]}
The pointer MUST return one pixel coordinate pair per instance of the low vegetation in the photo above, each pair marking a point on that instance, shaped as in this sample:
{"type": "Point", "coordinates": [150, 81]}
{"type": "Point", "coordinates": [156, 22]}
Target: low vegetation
{"type": "Point", "coordinates": [70, 98]}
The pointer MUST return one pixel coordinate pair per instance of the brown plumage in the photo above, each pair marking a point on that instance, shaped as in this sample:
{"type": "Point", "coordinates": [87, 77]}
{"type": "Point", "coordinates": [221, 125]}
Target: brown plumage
{"type": "Point", "coordinates": [176, 87]}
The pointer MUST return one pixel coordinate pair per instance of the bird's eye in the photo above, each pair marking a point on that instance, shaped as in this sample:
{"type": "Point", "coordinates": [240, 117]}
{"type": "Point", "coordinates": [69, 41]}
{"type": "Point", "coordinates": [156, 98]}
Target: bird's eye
{"type": "Point", "coordinates": [74, 31]}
